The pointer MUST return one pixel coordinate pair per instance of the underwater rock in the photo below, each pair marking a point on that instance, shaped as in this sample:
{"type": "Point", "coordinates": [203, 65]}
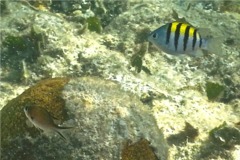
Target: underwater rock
{"type": "Point", "coordinates": [225, 136]}
{"type": "Point", "coordinates": [104, 118]}
{"type": "Point", "coordinates": [177, 84]}
{"type": "Point", "coordinates": [222, 143]}
{"type": "Point", "coordinates": [230, 6]}
{"type": "Point", "coordinates": [46, 94]}
{"type": "Point", "coordinates": [20, 41]}
{"type": "Point", "coordinates": [189, 134]}
{"type": "Point", "coordinates": [138, 151]}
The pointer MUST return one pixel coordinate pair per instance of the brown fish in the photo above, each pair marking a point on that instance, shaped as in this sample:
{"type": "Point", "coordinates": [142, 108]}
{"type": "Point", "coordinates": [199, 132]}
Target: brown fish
{"type": "Point", "coordinates": [41, 118]}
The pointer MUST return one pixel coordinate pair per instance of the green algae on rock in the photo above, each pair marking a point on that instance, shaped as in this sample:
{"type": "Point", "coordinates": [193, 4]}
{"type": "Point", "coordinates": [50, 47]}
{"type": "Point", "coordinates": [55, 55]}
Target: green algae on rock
{"type": "Point", "coordinates": [214, 90]}
{"type": "Point", "coordinates": [94, 24]}
{"type": "Point", "coordinates": [25, 43]}
{"type": "Point", "coordinates": [19, 48]}
{"type": "Point", "coordinates": [225, 136]}
{"type": "Point", "coordinates": [222, 141]}
{"type": "Point", "coordinates": [46, 93]}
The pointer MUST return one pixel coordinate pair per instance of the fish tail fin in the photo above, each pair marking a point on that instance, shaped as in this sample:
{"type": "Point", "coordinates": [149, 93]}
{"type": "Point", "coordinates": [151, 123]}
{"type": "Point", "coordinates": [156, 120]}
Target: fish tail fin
{"type": "Point", "coordinates": [214, 45]}
{"type": "Point", "coordinates": [58, 130]}
{"type": "Point", "coordinates": [61, 135]}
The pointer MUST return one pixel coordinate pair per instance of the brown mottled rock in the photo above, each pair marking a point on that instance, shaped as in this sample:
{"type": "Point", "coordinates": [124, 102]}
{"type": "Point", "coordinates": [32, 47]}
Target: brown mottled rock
{"type": "Point", "coordinates": [46, 93]}
{"type": "Point", "coordinates": [102, 114]}
{"type": "Point", "coordinates": [140, 150]}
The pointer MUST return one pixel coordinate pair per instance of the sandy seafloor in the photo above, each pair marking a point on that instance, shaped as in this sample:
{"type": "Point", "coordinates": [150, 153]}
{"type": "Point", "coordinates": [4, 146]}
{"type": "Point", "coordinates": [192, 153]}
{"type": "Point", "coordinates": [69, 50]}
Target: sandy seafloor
{"type": "Point", "coordinates": [103, 38]}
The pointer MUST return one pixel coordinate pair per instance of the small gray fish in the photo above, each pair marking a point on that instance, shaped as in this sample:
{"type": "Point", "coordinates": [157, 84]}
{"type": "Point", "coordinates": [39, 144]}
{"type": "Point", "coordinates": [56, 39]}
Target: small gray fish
{"type": "Point", "coordinates": [40, 118]}
{"type": "Point", "coordinates": [181, 38]}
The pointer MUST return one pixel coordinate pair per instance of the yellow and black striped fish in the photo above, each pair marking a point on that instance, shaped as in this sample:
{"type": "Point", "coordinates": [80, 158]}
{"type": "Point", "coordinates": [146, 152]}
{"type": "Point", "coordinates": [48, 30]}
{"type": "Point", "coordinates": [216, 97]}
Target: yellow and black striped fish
{"type": "Point", "coordinates": [178, 38]}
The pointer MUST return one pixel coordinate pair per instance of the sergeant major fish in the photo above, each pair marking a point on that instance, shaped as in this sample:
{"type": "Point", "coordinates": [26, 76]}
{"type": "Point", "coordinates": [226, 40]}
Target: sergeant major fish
{"type": "Point", "coordinates": [181, 38]}
{"type": "Point", "coordinates": [41, 118]}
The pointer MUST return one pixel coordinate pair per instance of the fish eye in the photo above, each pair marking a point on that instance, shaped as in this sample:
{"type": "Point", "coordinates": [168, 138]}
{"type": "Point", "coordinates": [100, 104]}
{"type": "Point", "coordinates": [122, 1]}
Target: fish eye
{"type": "Point", "coordinates": [155, 35]}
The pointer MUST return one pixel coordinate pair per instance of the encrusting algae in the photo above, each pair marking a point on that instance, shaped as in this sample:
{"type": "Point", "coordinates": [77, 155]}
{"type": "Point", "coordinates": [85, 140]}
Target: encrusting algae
{"type": "Point", "coordinates": [46, 94]}
{"type": "Point", "coordinates": [104, 115]}
{"type": "Point", "coordinates": [138, 151]}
